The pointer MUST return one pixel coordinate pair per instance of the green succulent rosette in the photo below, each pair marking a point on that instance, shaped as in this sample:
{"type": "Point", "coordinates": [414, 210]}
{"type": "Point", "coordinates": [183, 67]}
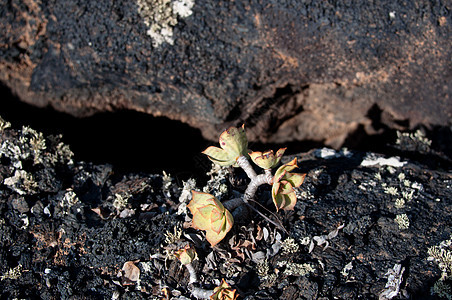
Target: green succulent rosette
{"type": "Point", "coordinates": [210, 215]}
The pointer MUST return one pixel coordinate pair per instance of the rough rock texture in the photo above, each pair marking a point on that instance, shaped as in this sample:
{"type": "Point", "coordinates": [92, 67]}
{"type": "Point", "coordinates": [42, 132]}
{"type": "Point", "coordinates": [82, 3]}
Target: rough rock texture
{"type": "Point", "coordinates": [300, 70]}
{"type": "Point", "coordinates": [68, 228]}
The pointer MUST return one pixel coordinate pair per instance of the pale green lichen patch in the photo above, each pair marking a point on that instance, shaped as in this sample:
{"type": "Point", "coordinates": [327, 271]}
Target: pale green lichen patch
{"type": "Point", "coordinates": [160, 16]}
{"type": "Point", "coordinates": [294, 269]}
{"type": "Point", "coordinates": [216, 185]}
{"type": "Point", "coordinates": [402, 221]}
{"type": "Point", "coordinates": [442, 255]}
{"type": "Point", "coordinates": [414, 141]}
{"type": "Point", "coordinates": [262, 268]}
{"type": "Point", "coordinates": [399, 203]}
{"type": "Point", "coordinates": [22, 183]}
{"type": "Point", "coordinates": [13, 273]}
{"type": "Point", "coordinates": [4, 124]}
{"type": "Point", "coordinates": [120, 201]}
{"type": "Point", "coordinates": [442, 289]}
{"type": "Point", "coordinates": [173, 237]}
{"type": "Point", "coordinates": [289, 246]}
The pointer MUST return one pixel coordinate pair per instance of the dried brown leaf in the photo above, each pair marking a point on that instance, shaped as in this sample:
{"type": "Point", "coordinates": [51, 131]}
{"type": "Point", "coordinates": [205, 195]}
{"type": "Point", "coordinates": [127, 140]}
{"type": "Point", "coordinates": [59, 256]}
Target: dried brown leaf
{"type": "Point", "coordinates": [130, 273]}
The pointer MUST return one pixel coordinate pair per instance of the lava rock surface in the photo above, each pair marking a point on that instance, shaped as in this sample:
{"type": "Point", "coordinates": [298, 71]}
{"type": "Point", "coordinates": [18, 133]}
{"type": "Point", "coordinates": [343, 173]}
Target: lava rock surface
{"type": "Point", "coordinates": [291, 70]}
{"type": "Point", "coordinates": [68, 228]}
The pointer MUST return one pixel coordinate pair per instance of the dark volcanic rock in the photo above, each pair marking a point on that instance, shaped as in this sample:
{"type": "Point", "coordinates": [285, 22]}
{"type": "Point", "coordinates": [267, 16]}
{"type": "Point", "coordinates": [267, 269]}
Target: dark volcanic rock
{"type": "Point", "coordinates": [290, 70]}
{"type": "Point", "coordinates": [70, 239]}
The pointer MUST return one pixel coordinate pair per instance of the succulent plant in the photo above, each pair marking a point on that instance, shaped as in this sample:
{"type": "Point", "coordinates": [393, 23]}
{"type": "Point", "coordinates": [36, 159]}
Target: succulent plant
{"type": "Point", "coordinates": [224, 292]}
{"type": "Point", "coordinates": [284, 182]}
{"type": "Point", "coordinates": [186, 255]}
{"type": "Point", "coordinates": [210, 215]}
{"type": "Point", "coordinates": [267, 160]}
{"type": "Point", "coordinates": [233, 143]}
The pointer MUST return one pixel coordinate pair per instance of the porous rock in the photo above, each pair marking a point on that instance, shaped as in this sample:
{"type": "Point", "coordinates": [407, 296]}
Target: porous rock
{"type": "Point", "coordinates": [73, 241]}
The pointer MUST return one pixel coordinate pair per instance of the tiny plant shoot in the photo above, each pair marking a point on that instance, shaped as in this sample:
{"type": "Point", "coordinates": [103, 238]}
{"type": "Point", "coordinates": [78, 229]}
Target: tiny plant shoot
{"type": "Point", "coordinates": [214, 217]}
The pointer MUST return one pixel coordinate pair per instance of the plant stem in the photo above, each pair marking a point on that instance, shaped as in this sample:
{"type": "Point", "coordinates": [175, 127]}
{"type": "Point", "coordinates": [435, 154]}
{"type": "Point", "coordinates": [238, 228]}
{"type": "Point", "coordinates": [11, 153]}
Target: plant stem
{"type": "Point", "coordinates": [243, 163]}
{"type": "Point", "coordinates": [256, 181]}
{"type": "Point", "coordinates": [233, 204]}
{"type": "Point", "coordinates": [192, 272]}
{"type": "Point", "coordinates": [200, 293]}
{"type": "Point", "coordinates": [197, 292]}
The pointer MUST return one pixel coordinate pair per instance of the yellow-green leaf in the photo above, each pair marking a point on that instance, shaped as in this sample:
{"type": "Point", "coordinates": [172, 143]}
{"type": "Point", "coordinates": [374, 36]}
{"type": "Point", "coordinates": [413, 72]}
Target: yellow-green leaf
{"type": "Point", "coordinates": [206, 211]}
{"type": "Point", "coordinates": [186, 255]}
{"type": "Point", "coordinates": [229, 221]}
{"type": "Point", "coordinates": [233, 144]}
{"type": "Point", "coordinates": [290, 200]}
{"type": "Point", "coordinates": [285, 187]}
{"type": "Point", "coordinates": [285, 168]}
{"type": "Point", "coordinates": [219, 156]}
{"type": "Point", "coordinates": [210, 215]}
{"type": "Point", "coordinates": [214, 238]}
{"type": "Point", "coordinates": [267, 159]}
{"type": "Point", "coordinates": [217, 225]}
{"type": "Point", "coordinates": [199, 222]}
{"type": "Point", "coordinates": [223, 292]}
{"type": "Point", "coordinates": [215, 215]}
{"type": "Point", "coordinates": [234, 141]}
{"type": "Point", "coordinates": [295, 179]}
{"type": "Point", "coordinates": [200, 199]}
{"type": "Point", "coordinates": [283, 195]}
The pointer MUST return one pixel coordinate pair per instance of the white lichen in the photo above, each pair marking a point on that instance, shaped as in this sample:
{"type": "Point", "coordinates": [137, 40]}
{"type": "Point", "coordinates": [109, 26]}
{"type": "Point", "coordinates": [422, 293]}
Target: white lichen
{"type": "Point", "coordinates": [216, 185]}
{"type": "Point", "coordinates": [378, 176]}
{"type": "Point", "coordinates": [408, 194]}
{"type": "Point", "coordinates": [120, 201]}
{"type": "Point", "coordinates": [324, 239]}
{"type": "Point", "coordinates": [22, 183]}
{"type": "Point", "coordinates": [160, 16]}
{"type": "Point", "coordinates": [13, 273]}
{"type": "Point", "coordinates": [173, 237]}
{"type": "Point", "coordinates": [188, 187]}
{"type": "Point", "coordinates": [31, 144]}
{"type": "Point", "coordinates": [70, 198]}
{"type": "Point", "coordinates": [167, 183]}
{"type": "Point", "coordinates": [305, 241]}
{"type": "Point", "coordinates": [185, 195]}
{"type": "Point", "coordinates": [391, 190]}
{"type": "Point", "coordinates": [4, 124]}
{"type": "Point", "coordinates": [346, 269]}
{"type": "Point", "coordinates": [399, 203]}
{"type": "Point", "coordinates": [392, 286]}
{"type": "Point", "coordinates": [328, 153]}
{"type": "Point", "coordinates": [294, 269]}
{"type": "Point", "coordinates": [442, 289]}
{"type": "Point", "coordinates": [262, 268]}
{"type": "Point", "coordinates": [414, 141]}
{"type": "Point", "coordinates": [289, 246]}
{"type": "Point", "coordinates": [442, 255]}
{"type": "Point", "coordinates": [402, 221]}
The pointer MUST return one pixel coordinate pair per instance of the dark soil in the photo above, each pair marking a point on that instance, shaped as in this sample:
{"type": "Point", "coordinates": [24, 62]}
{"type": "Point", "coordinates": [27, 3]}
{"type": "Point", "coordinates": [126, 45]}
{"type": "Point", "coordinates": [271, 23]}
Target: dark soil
{"type": "Point", "coordinates": [68, 227]}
